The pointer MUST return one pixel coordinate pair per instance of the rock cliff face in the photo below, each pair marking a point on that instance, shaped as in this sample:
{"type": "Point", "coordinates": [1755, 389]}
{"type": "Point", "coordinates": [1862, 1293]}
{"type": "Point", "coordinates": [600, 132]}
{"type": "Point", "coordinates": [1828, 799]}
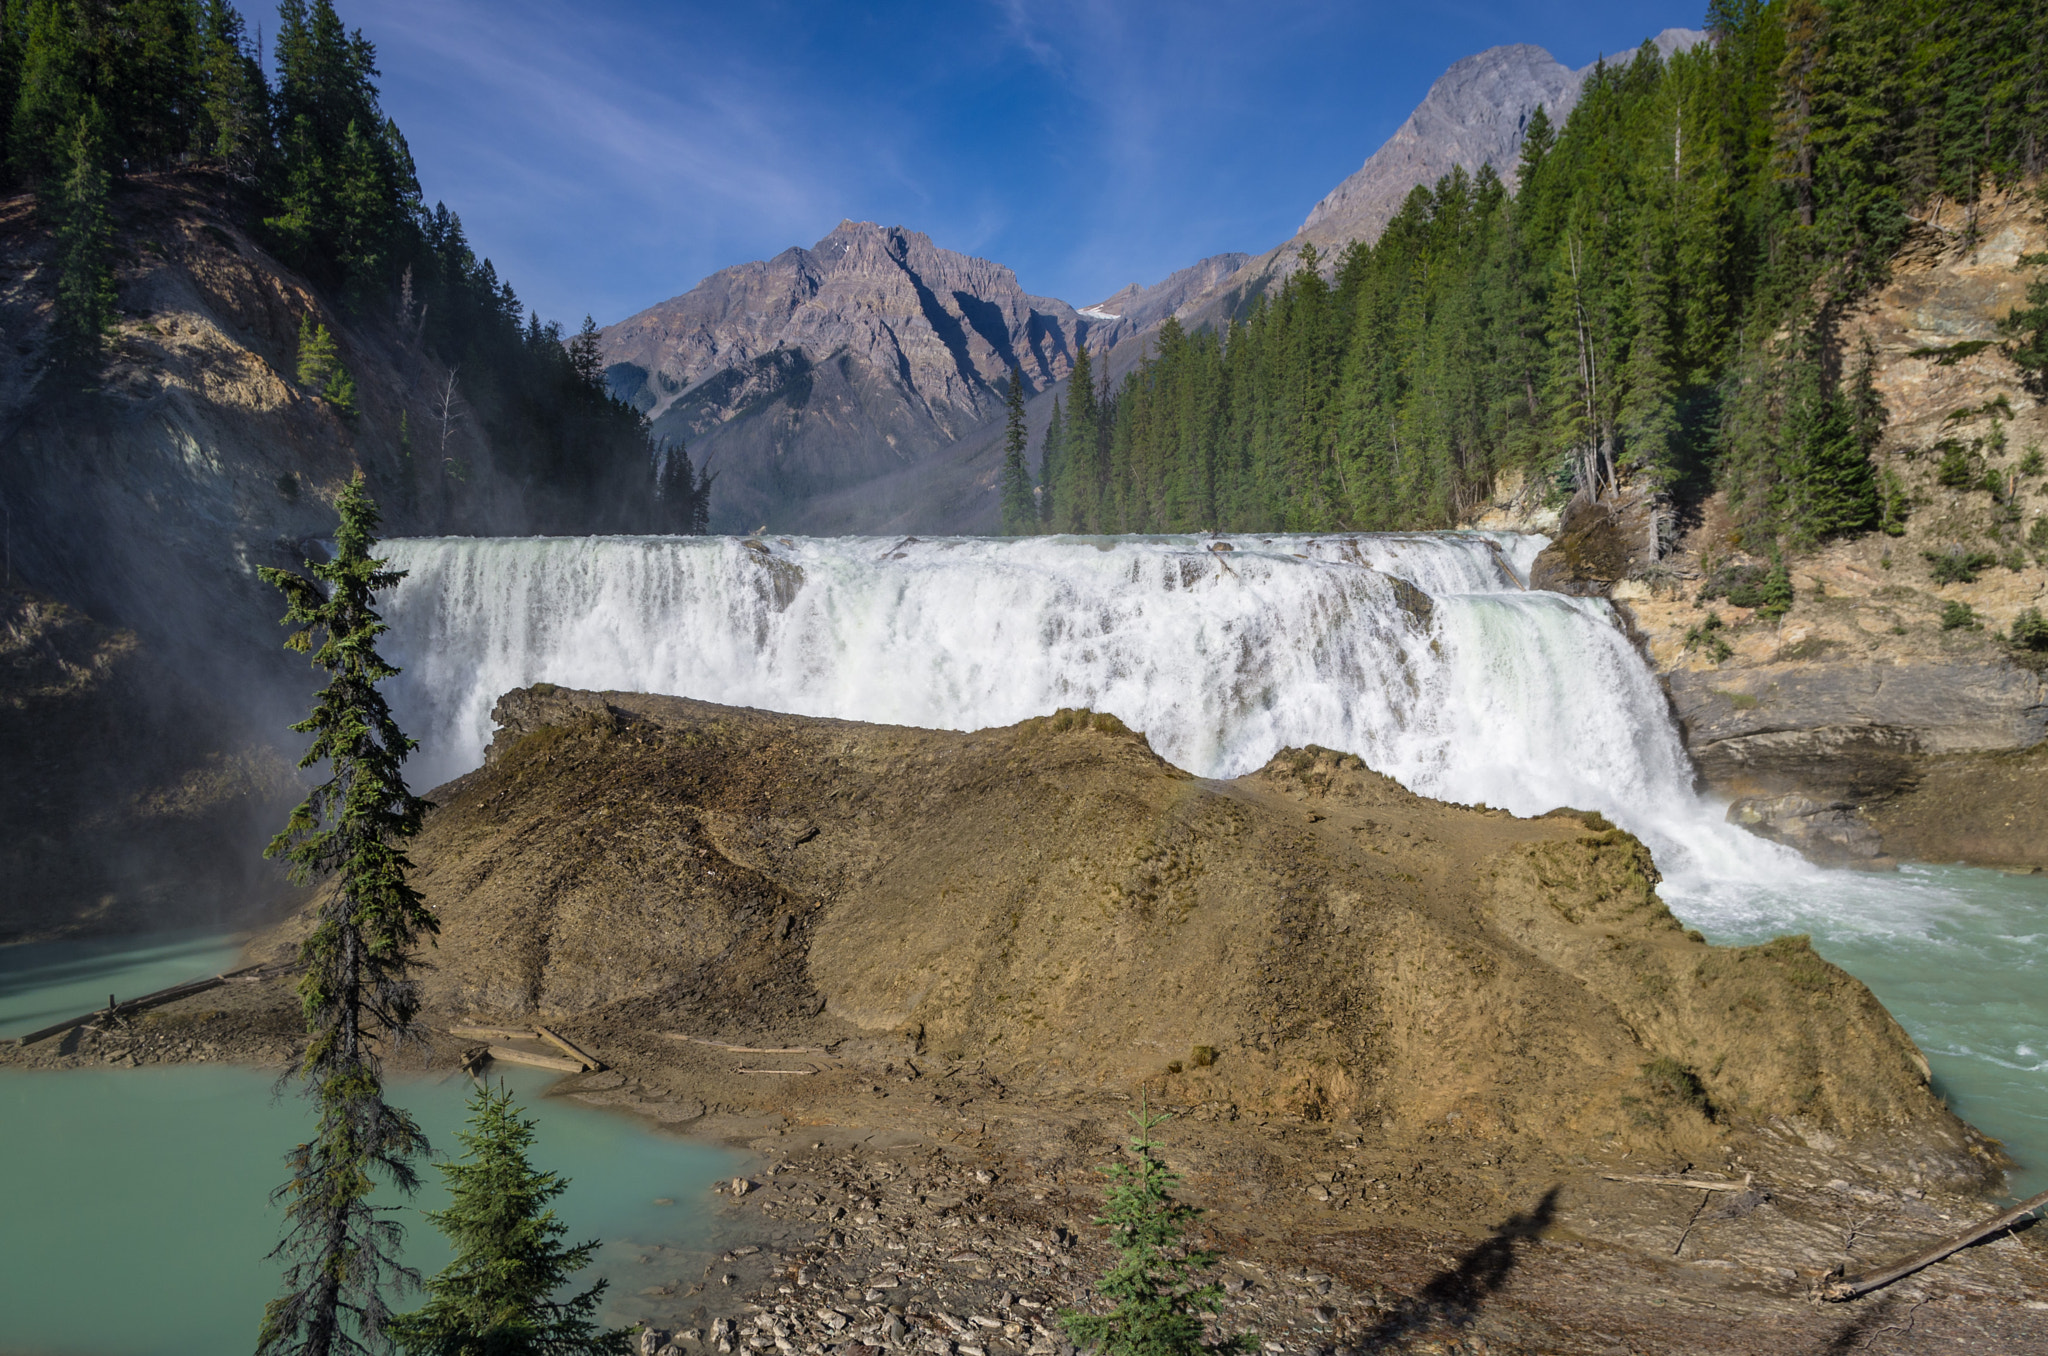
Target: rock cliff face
{"type": "Point", "coordinates": [1876, 719]}
{"type": "Point", "coordinates": [137, 513]}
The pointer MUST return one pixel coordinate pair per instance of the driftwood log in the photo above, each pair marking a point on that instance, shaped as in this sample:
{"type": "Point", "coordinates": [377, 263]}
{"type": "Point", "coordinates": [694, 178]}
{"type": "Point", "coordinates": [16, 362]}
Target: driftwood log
{"type": "Point", "coordinates": [1841, 1288]}
{"type": "Point", "coordinates": [536, 1059]}
{"type": "Point", "coordinates": [570, 1048]}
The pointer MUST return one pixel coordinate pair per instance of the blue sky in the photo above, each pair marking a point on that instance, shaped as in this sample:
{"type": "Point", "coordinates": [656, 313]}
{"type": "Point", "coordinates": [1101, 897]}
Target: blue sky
{"type": "Point", "coordinates": [607, 155]}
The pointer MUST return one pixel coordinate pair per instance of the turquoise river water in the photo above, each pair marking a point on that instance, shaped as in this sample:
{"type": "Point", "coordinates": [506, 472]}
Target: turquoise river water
{"type": "Point", "coordinates": [136, 1216]}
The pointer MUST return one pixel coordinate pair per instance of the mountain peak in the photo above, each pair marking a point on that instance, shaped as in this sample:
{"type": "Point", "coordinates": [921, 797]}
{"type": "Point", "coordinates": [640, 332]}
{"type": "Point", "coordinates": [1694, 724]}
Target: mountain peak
{"type": "Point", "coordinates": [1475, 114]}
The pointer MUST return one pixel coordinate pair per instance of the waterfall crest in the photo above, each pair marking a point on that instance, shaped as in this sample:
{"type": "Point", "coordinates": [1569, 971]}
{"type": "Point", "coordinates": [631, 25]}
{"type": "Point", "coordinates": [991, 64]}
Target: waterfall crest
{"type": "Point", "coordinates": [1421, 653]}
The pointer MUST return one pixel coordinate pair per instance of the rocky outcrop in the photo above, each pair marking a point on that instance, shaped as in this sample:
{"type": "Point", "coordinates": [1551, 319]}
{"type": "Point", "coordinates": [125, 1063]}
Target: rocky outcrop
{"type": "Point", "coordinates": [122, 803]}
{"type": "Point", "coordinates": [1054, 905]}
{"type": "Point", "coordinates": [1598, 543]}
{"type": "Point", "coordinates": [140, 503]}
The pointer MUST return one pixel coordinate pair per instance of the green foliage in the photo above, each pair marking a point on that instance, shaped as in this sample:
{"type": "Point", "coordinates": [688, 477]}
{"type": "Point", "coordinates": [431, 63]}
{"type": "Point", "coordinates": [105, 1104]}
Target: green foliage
{"type": "Point", "coordinates": [1768, 589]}
{"type": "Point", "coordinates": [1957, 565]}
{"type": "Point", "coordinates": [1158, 1309]}
{"type": "Point", "coordinates": [2030, 631]}
{"type": "Point", "coordinates": [1894, 505]}
{"type": "Point", "coordinates": [1957, 469]}
{"type": "Point", "coordinates": [1959, 616]}
{"type": "Point", "coordinates": [2026, 327]}
{"type": "Point", "coordinates": [2037, 540]}
{"type": "Point", "coordinates": [1657, 297]}
{"type": "Point", "coordinates": [497, 1298]}
{"type": "Point", "coordinates": [320, 368]}
{"type": "Point", "coordinates": [85, 276]}
{"type": "Point", "coordinates": [1707, 636]}
{"type": "Point", "coordinates": [1676, 1084]}
{"type": "Point", "coordinates": [1774, 594]}
{"type": "Point", "coordinates": [325, 179]}
{"type": "Point", "coordinates": [1020, 507]}
{"type": "Point", "coordinates": [2032, 463]}
{"type": "Point", "coordinates": [350, 831]}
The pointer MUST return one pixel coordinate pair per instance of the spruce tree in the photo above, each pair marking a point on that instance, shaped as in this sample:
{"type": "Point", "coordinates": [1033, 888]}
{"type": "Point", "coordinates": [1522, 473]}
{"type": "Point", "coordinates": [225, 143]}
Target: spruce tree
{"type": "Point", "coordinates": [586, 356]}
{"type": "Point", "coordinates": [1158, 1309]}
{"type": "Point", "coordinates": [356, 992]}
{"type": "Point", "coordinates": [85, 233]}
{"type": "Point", "coordinates": [317, 360]}
{"type": "Point", "coordinates": [1078, 495]}
{"type": "Point", "coordinates": [1050, 448]}
{"type": "Point", "coordinates": [497, 1297]}
{"type": "Point", "coordinates": [1020, 509]}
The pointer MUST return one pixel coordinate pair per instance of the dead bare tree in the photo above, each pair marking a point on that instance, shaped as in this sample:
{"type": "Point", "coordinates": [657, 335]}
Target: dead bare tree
{"type": "Point", "coordinates": [448, 411]}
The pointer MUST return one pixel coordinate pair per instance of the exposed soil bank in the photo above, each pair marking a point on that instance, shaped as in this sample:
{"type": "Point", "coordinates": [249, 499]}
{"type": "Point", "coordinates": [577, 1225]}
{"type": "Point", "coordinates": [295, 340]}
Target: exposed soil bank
{"type": "Point", "coordinates": [1409, 1043]}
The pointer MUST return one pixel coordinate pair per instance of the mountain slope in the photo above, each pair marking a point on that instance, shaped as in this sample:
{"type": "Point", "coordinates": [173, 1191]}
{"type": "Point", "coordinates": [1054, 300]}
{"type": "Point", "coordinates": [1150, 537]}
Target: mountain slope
{"type": "Point", "coordinates": [1475, 114]}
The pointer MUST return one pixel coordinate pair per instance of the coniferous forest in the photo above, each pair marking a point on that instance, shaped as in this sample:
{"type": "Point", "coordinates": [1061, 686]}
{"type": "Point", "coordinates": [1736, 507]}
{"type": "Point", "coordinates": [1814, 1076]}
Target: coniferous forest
{"type": "Point", "coordinates": [1653, 296]}
{"type": "Point", "coordinates": [100, 91]}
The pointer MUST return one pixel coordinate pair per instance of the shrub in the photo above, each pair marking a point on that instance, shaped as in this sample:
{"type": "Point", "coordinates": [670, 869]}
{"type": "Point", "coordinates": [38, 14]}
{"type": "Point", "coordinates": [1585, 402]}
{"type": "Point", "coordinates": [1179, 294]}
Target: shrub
{"type": "Point", "coordinates": [1958, 470]}
{"type": "Point", "coordinates": [2030, 631]}
{"type": "Point", "coordinates": [2037, 540]}
{"type": "Point", "coordinates": [1957, 616]}
{"type": "Point", "coordinates": [1706, 636]}
{"type": "Point", "coordinates": [1673, 1083]}
{"type": "Point", "coordinates": [1768, 589]}
{"type": "Point", "coordinates": [1958, 566]}
{"type": "Point", "coordinates": [2032, 463]}
{"type": "Point", "coordinates": [1892, 504]}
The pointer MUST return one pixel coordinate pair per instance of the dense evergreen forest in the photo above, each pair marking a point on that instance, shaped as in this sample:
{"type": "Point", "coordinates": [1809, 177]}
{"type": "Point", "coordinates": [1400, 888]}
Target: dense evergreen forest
{"type": "Point", "coordinates": [1656, 298]}
{"type": "Point", "coordinates": [100, 90]}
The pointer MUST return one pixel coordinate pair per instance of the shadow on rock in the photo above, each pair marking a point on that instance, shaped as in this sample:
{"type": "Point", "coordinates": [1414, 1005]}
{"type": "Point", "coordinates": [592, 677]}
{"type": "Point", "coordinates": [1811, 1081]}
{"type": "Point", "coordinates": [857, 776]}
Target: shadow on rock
{"type": "Point", "coordinates": [1454, 1296]}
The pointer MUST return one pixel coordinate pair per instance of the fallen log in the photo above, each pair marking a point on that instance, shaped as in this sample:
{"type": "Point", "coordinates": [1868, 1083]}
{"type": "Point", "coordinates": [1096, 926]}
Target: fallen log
{"type": "Point", "coordinates": [537, 1059]}
{"type": "Point", "coordinates": [1850, 1287]}
{"type": "Point", "coordinates": [746, 1049]}
{"type": "Point", "coordinates": [591, 1063]}
{"type": "Point", "coordinates": [805, 1073]}
{"type": "Point", "coordinates": [508, 1033]}
{"type": "Point", "coordinates": [148, 1000]}
{"type": "Point", "coordinates": [1689, 1183]}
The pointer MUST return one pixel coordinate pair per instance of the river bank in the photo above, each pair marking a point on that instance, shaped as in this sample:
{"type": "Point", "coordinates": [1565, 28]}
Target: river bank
{"type": "Point", "coordinates": [921, 1206]}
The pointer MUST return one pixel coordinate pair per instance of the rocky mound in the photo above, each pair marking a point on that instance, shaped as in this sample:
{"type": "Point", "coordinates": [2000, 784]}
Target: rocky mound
{"type": "Point", "coordinates": [1056, 906]}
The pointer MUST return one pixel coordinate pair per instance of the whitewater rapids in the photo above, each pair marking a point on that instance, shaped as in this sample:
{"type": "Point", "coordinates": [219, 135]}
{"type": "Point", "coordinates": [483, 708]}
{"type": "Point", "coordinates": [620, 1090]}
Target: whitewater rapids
{"type": "Point", "coordinates": [1424, 654]}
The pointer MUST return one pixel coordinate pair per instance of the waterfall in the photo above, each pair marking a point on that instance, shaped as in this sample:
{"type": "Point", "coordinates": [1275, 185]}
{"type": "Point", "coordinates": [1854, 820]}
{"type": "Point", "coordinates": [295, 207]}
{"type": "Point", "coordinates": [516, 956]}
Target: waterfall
{"type": "Point", "coordinates": [1422, 653]}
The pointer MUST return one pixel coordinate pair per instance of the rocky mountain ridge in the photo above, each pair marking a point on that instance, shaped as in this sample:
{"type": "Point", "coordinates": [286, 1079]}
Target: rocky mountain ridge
{"type": "Point", "coordinates": [823, 370]}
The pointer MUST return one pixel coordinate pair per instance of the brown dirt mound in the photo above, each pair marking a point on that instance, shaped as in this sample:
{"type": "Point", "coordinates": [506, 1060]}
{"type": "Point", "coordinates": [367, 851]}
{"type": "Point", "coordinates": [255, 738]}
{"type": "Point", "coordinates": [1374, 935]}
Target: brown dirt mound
{"type": "Point", "coordinates": [1054, 903]}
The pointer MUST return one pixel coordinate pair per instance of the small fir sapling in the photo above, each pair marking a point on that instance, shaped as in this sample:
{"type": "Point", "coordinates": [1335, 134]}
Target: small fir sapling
{"type": "Point", "coordinates": [1158, 1309]}
{"type": "Point", "coordinates": [497, 1298]}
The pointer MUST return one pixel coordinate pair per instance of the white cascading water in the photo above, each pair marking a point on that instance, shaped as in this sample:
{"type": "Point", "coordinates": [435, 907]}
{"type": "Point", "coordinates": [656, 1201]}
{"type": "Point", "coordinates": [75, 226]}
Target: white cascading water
{"type": "Point", "coordinates": [1491, 694]}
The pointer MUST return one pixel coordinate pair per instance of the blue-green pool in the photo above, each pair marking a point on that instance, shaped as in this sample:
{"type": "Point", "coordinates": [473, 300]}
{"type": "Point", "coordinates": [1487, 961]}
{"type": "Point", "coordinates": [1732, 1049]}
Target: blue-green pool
{"type": "Point", "coordinates": [136, 1215]}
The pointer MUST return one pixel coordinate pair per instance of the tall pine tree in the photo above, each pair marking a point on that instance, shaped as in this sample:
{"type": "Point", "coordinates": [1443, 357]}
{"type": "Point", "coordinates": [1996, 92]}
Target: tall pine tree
{"type": "Point", "coordinates": [356, 993]}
